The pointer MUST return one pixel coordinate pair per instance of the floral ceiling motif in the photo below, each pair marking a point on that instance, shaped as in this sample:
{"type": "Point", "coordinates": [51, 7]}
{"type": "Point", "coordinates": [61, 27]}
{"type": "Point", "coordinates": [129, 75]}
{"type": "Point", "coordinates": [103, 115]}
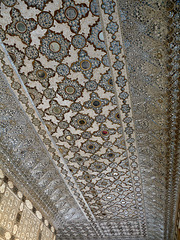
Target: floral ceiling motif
{"type": "Point", "coordinates": [70, 57]}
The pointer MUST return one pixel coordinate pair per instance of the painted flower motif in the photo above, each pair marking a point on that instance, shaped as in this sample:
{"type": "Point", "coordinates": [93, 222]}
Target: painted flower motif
{"type": "Point", "coordinates": [114, 116]}
{"type": "Point", "coordinates": [115, 210]}
{"type": "Point", "coordinates": [120, 143]}
{"type": "Point", "coordinates": [7, 70]}
{"type": "Point", "coordinates": [96, 103]}
{"type": "Point", "coordinates": [69, 89]}
{"type": "Point", "coordinates": [63, 150]}
{"type": "Point", "coordinates": [91, 146]}
{"type": "Point", "coordinates": [114, 100]}
{"type": "Point", "coordinates": [57, 110]}
{"type": "Point", "coordinates": [104, 132]}
{"type": "Point", "coordinates": [54, 46]}
{"type": "Point", "coordinates": [35, 95]}
{"type": "Point", "coordinates": [118, 65]}
{"type": "Point", "coordinates": [121, 81]}
{"type": "Point", "coordinates": [32, 52]}
{"type": "Point", "coordinates": [100, 118]}
{"type": "Point", "coordinates": [115, 174]}
{"type": "Point", "coordinates": [81, 121]}
{"type": "Point", "coordinates": [78, 41]}
{"type": "Point", "coordinates": [41, 74]}
{"type": "Point", "coordinates": [63, 124]}
{"type": "Point", "coordinates": [69, 137]}
{"type": "Point", "coordinates": [108, 6]}
{"type": "Point", "coordinates": [39, 4]}
{"type": "Point", "coordinates": [106, 81]}
{"type": "Point", "coordinates": [125, 108]}
{"type": "Point", "coordinates": [98, 167]}
{"type": "Point", "coordinates": [112, 27]}
{"type": "Point", "coordinates": [129, 130]}
{"type": "Point", "coordinates": [76, 107]}
{"type": "Point", "coordinates": [20, 26]}
{"type": "Point", "coordinates": [16, 56]}
{"type": "Point", "coordinates": [45, 19]}
{"type": "Point", "coordinates": [110, 155]}
{"type": "Point", "coordinates": [52, 128]}
{"type": "Point", "coordinates": [109, 197]}
{"type": "Point", "coordinates": [107, 144]}
{"type": "Point", "coordinates": [91, 85]}
{"type": "Point", "coordinates": [78, 159]}
{"type": "Point", "coordinates": [103, 183]}
{"type": "Point", "coordinates": [71, 14]}
{"type": "Point", "coordinates": [62, 70]}
{"type": "Point", "coordinates": [86, 135]}
{"type": "Point", "coordinates": [115, 47]}
{"type": "Point", "coordinates": [123, 95]}
{"type": "Point", "coordinates": [85, 64]}
{"type": "Point", "coordinates": [96, 36]}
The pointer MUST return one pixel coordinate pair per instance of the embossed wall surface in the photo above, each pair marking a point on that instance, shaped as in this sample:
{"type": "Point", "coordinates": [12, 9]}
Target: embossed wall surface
{"type": "Point", "coordinates": [97, 100]}
{"type": "Point", "coordinates": [19, 220]}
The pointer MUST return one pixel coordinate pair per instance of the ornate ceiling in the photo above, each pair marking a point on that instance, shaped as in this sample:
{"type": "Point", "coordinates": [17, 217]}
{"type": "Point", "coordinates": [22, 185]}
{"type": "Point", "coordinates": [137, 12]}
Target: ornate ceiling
{"type": "Point", "coordinates": [89, 113]}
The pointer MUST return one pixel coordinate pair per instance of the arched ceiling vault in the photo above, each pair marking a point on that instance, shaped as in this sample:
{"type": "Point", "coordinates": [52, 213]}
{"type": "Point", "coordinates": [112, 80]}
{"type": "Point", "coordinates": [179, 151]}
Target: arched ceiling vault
{"type": "Point", "coordinates": [89, 113]}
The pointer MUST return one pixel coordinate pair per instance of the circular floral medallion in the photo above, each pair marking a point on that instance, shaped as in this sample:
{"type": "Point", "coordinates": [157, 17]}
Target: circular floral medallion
{"type": "Point", "coordinates": [49, 93]}
{"type": "Point", "coordinates": [81, 121]}
{"type": "Point", "coordinates": [86, 135]}
{"type": "Point", "coordinates": [78, 41]}
{"type": "Point", "coordinates": [98, 166]}
{"type": "Point", "coordinates": [76, 107]}
{"type": "Point", "coordinates": [54, 46]}
{"type": "Point", "coordinates": [69, 89]}
{"type": "Point", "coordinates": [32, 52]}
{"type": "Point", "coordinates": [21, 27]}
{"type": "Point", "coordinates": [85, 65]}
{"type": "Point", "coordinates": [45, 20]}
{"type": "Point", "coordinates": [71, 13]}
{"type": "Point", "coordinates": [62, 69]}
{"type": "Point", "coordinates": [91, 85]}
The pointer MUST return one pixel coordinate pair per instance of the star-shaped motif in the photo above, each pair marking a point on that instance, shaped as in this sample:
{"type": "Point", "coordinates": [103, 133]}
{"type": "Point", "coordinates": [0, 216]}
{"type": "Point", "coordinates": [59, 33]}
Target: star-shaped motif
{"type": "Point", "coordinates": [20, 26]}
{"type": "Point", "coordinates": [54, 46]}
{"type": "Point", "coordinates": [104, 132]}
{"type": "Point", "coordinates": [41, 74]}
{"type": "Point", "coordinates": [96, 103]}
{"type": "Point", "coordinates": [71, 13]}
{"type": "Point", "coordinates": [85, 64]}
